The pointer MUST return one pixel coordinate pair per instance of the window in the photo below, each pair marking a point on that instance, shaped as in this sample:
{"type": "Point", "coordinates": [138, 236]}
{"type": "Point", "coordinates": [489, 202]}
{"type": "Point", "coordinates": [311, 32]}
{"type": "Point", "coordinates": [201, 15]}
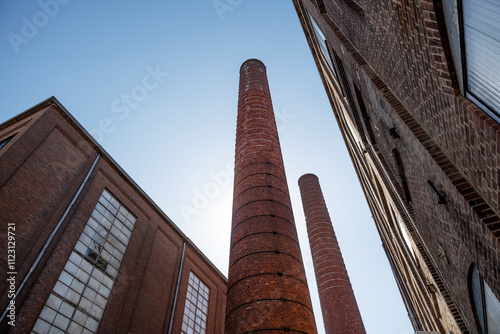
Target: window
{"type": "Point", "coordinates": [79, 297]}
{"type": "Point", "coordinates": [406, 236]}
{"type": "Point", "coordinates": [364, 114]}
{"type": "Point", "coordinates": [196, 309]}
{"type": "Point", "coordinates": [323, 44]}
{"type": "Point", "coordinates": [402, 175]}
{"type": "Point", "coordinates": [481, 25]}
{"type": "Point", "coordinates": [5, 141]}
{"type": "Point", "coordinates": [321, 6]}
{"type": "Point", "coordinates": [485, 303]}
{"type": "Point", "coordinates": [475, 47]}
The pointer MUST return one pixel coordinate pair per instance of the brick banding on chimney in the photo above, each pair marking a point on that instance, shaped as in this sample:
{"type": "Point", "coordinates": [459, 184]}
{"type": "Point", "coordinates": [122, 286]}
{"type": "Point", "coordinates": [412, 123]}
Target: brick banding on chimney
{"type": "Point", "coordinates": [267, 286]}
{"type": "Point", "coordinates": [340, 310]}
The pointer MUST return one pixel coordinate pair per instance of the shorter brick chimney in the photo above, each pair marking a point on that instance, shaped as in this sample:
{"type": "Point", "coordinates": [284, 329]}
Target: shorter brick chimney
{"type": "Point", "coordinates": [338, 304]}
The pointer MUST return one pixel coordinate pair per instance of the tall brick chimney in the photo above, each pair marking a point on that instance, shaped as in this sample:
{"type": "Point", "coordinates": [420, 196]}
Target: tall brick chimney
{"type": "Point", "coordinates": [340, 310]}
{"type": "Point", "coordinates": [267, 287]}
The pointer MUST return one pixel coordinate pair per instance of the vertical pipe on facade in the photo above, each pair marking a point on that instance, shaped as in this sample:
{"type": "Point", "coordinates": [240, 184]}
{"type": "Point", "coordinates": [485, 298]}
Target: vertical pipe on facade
{"type": "Point", "coordinates": [177, 289]}
{"type": "Point", "coordinates": [340, 310]}
{"type": "Point", "coordinates": [267, 286]}
{"type": "Point", "coordinates": [49, 240]}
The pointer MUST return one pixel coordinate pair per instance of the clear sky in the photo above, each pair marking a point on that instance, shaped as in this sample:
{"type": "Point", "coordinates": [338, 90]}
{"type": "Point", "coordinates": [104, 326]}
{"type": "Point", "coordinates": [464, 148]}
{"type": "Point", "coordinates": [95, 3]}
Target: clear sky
{"type": "Point", "coordinates": [156, 83]}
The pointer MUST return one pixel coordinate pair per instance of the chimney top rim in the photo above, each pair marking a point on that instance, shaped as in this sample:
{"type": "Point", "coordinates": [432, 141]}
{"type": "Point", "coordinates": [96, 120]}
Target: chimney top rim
{"type": "Point", "coordinates": [308, 175]}
{"type": "Point", "coordinates": [253, 59]}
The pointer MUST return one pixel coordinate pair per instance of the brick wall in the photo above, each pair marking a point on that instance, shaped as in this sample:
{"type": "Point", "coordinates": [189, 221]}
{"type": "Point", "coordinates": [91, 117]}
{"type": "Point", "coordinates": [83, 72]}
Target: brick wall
{"type": "Point", "coordinates": [397, 54]}
{"type": "Point", "coordinates": [44, 165]}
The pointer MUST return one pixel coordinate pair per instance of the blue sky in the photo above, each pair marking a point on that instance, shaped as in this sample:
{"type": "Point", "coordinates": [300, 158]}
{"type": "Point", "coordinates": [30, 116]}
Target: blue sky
{"type": "Point", "coordinates": [156, 82]}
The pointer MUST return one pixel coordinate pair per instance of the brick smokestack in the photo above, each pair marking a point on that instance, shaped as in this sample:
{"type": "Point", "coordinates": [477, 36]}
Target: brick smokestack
{"type": "Point", "coordinates": [267, 287]}
{"type": "Point", "coordinates": [340, 310]}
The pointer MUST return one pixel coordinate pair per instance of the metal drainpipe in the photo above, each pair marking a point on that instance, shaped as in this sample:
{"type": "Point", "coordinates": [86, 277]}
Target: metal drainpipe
{"type": "Point", "coordinates": [51, 237]}
{"type": "Point", "coordinates": [176, 289]}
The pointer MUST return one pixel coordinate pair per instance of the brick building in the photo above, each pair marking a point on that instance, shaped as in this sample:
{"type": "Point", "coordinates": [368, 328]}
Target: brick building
{"type": "Point", "coordinates": [267, 285]}
{"type": "Point", "coordinates": [92, 252]}
{"type": "Point", "coordinates": [414, 89]}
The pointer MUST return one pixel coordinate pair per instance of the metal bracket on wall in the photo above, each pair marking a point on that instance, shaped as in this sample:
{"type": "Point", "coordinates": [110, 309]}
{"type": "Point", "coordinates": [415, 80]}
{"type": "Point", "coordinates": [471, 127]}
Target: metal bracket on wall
{"type": "Point", "coordinates": [442, 197]}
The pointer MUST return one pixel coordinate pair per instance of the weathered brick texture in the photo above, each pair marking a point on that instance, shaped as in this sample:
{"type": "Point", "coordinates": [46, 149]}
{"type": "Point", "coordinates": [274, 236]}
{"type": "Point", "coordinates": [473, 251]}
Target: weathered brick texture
{"type": "Point", "coordinates": [338, 303]}
{"type": "Point", "coordinates": [267, 287]}
{"type": "Point", "coordinates": [395, 57]}
{"type": "Point", "coordinates": [42, 168]}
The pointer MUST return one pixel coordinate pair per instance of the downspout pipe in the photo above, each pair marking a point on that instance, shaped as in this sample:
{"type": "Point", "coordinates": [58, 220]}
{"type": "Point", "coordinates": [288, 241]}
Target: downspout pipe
{"type": "Point", "coordinates": [49, 240]}
{"type": "Point", "coordinates": [177, 289]}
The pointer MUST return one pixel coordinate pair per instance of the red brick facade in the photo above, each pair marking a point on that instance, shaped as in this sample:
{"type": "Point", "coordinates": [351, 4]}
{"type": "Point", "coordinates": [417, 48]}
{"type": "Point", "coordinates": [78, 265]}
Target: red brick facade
{"type": "Point", "coordinates": [427, 157]}
{"type": "Point", "coordinates": [43, 166]}
{"type": "Point", "coordinates": [267, 287]}
{"type": "Point", "coordinates": [338, 304]}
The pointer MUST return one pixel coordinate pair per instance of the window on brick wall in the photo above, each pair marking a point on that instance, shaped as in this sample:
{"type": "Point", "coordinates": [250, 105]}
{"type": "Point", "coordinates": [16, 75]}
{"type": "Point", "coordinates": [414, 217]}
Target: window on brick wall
{"type": "Point", "coordinates": [402, 175]}
{"type": "Point", "coordinates": [485, 303]}
{"type": "Point", "coordinates": [364, 115]}
{"type": "Point", "coordinates": [473, 28]}
{"type": "Point", "coordinates": [405, 234]}
{"type": "Point", "coordinates": [323, 44]}
{"type": "Point", "coordinates": [196, 308]}
{"type": "Point", "coordinates": [81, 293]}
{"type": "Point", "coordinates": [320, 5]}
{"type": "Point", "coordinates": [5, 141]}
{"type": "Point", "coordinates": [481, 26]}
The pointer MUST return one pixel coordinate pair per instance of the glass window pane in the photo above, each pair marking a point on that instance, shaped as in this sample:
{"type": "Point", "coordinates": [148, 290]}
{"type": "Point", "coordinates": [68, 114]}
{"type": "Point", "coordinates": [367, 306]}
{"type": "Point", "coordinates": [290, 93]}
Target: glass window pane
{"type": "Point", "coordinates": [83, 281]}
{"type": "Point", "coordinates": [48, 314]}
{"type": "Point", "coordinates": [55, 330]}
{"type": "Point", "coordinates": [194, 320]}
{"type": "Point", "coordinates": [41, 327]}
{"type": "Point", "coordinates": [54, 302]}
{"type": "Point", "coordinates": [476, 294]}
{"type": "Point", "coordinates": [67, 310]}
{"type": "Point", "coordinates": [61, 321]}
{"type": "Point", "coordinates": [482, 46]}
{"type": "Point", "coordinates": [74, 328]}
{"type": "Point", "coordinates": [492, 310]}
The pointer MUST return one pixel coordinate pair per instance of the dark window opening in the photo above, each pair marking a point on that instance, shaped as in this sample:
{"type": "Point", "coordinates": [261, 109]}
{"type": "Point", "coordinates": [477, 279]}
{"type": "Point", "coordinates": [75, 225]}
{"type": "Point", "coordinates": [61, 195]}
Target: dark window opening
{"type": "Point", "coordinates": [348, 94]}
{"type": "Point", "coordinates": [94, 251]}
{"type": "Point", "coordinates": [402, 175]}
{"type": "Point", "coordinates": [355, 6]}
{"type": "Point", "coordinates": [364, 115]}
{"type": "Point", "coordinates": [321, 6]}
{"type": "Point", "coordinates": [5, 141]}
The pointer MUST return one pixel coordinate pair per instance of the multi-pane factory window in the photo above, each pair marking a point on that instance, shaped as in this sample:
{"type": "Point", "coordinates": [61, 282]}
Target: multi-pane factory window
{"type": "Point", "coordinates": [196, 309]}
{"type": "Point", "coordinates": [79, 297]}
